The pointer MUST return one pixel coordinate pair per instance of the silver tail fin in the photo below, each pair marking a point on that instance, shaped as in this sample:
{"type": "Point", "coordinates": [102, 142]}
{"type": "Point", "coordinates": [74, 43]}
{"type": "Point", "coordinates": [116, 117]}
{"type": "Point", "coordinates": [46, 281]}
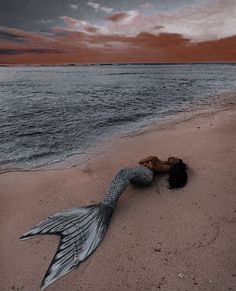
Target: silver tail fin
{"type": "Point", "coordinates": [81, 230]}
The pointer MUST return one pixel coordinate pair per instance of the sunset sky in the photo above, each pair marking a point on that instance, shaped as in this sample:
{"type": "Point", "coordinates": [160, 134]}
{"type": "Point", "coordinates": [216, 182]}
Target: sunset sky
{"type": "Point", "coordinates": [117, 31]}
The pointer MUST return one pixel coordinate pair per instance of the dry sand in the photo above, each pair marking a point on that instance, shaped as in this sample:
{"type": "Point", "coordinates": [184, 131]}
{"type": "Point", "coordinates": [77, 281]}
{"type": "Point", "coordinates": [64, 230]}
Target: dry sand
{"type": "Point", "coordinates": [158, 239]}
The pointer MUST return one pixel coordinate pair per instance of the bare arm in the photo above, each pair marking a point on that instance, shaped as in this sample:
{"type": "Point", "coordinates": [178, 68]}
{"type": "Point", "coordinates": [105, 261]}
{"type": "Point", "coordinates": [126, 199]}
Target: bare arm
{"type": "Point", "coordinates": [159, 167]}
{"type": "Point", "coordinates": [155, 164]}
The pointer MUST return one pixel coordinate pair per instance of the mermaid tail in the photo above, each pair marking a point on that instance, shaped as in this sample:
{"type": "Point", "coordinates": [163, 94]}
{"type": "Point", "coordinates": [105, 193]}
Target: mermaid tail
{"type": "Point", "coordinates": [81, 230]}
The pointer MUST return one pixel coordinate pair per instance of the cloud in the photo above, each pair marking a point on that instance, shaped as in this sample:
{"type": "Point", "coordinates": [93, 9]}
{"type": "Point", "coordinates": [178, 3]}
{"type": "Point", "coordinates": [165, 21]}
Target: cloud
{"type": "Point", "coordinates": [194, 33]}
{"type": "Point", "coordinates": [123, 17]}
{"type": "Point", "coordinates": [146, 6]}
{"type": "Point", "coordinates": [19, 35]}
{"type": "Point", "coordinates": [210, 21]}
{"type": "Point", "coordinates": [7, 35]}
{"type": "Point", "coordinates": [46, 21]}
{"type": "Point", "coordinates": [30, 51]}
{"type": "Point", "coordinates": [69, 20]}
{"type": "Point", "coordinates": [201, 22]}
{"type": "Point", "coordinates": [74, 22]}
{"type": "Point", "coordinates": [97, 7]}
{"type": "Point", "coordinates": [74, 6]}
{"type": "Point", "coordinates": [81, 25]}
{"type": "Point", "coordinates": [106, 9]}
{"type": "Point", "coordinates": [93, 5]}
{"type": "Point", "coordinates": [72, 46]}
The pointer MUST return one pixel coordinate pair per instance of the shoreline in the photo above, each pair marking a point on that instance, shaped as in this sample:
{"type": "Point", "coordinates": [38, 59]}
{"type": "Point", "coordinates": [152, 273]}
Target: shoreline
{"type": "Point", "coordinates": [117, 64]}
{"type": "Point", "coordinates": [224, 100]}
{"type": "Point", "coordinates": [157, 239]}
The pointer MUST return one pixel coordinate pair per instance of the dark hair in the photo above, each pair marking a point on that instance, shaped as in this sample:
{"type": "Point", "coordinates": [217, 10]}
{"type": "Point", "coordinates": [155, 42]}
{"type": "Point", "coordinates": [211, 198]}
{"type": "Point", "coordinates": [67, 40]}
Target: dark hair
{"type": "Point", "coordinates": [177, 175]}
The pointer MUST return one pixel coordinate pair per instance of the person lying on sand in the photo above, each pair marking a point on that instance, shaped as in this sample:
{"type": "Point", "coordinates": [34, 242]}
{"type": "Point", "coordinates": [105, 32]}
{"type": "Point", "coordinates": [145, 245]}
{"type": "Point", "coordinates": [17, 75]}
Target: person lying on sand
{"type": "Point", "coordinates": [82, 229]}
{"type": "Point", "coordinates": [174, 166]}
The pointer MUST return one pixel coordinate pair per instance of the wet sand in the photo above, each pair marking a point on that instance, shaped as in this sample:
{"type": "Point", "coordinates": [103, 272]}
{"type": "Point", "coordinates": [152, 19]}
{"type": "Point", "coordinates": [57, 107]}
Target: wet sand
{"type": "Point", "coordinates": [158, 239]}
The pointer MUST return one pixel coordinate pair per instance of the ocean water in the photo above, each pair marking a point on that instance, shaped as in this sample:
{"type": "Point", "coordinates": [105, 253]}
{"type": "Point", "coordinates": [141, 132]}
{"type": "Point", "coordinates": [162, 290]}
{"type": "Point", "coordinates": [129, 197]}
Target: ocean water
{"type": "Point", "coordinates": [48, 114]}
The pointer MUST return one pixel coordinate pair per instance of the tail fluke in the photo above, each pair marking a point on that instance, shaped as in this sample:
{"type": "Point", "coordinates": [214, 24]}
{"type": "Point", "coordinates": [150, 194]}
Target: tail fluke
{"type": "Point", "coordinates": [81, 230]}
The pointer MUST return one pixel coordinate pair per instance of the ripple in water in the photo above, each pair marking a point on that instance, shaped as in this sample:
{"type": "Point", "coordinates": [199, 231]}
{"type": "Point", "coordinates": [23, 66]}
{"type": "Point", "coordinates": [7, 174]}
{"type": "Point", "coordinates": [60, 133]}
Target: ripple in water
{"type": "Point", "coordinates": [50, 113]}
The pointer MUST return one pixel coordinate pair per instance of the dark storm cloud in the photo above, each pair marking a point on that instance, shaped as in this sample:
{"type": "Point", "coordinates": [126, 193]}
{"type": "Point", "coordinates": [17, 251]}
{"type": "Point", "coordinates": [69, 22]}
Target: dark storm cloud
{"type": "Point", "coordinates": [5, 35]}
{"type": "Point", "coordinates": [11, 36]}
{"type": "Point", "coordinates": [30, 51]}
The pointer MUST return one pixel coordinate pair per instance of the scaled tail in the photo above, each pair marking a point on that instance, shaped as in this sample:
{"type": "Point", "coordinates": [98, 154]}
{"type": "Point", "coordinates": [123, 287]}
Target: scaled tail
{"type": "Point", "coordinates": [81, 230]}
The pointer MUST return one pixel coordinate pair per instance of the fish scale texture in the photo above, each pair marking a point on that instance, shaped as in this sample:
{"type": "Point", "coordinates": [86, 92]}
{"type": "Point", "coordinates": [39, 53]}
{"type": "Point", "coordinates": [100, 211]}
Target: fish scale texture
{"type": "Point", "coordinates": [82, 229]}
{"type": "Point", "coordinates": [139, 176]}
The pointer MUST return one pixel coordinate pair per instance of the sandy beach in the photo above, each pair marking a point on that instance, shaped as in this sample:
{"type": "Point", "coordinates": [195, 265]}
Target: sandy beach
{"type": "Point", "coordinates": [158, 239]}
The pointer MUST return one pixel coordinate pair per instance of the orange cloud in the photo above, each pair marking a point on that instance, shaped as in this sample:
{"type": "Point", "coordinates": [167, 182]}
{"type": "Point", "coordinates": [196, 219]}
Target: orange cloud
{"type": "Point", "coordinates": [71, 46]}
{"type": "Point", "coordinates": [116, 17]}
{"type": "Point", "coordinates": [123, 17]}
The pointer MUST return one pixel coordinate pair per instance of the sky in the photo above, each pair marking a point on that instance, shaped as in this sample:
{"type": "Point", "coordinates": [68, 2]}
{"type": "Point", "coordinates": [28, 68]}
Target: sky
{"type": "Point", "coordinates": [117, 31]}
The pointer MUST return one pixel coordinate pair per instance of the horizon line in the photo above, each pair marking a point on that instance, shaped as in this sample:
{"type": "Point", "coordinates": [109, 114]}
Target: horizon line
{"type": "Point", "coordinates": [116, 64]}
